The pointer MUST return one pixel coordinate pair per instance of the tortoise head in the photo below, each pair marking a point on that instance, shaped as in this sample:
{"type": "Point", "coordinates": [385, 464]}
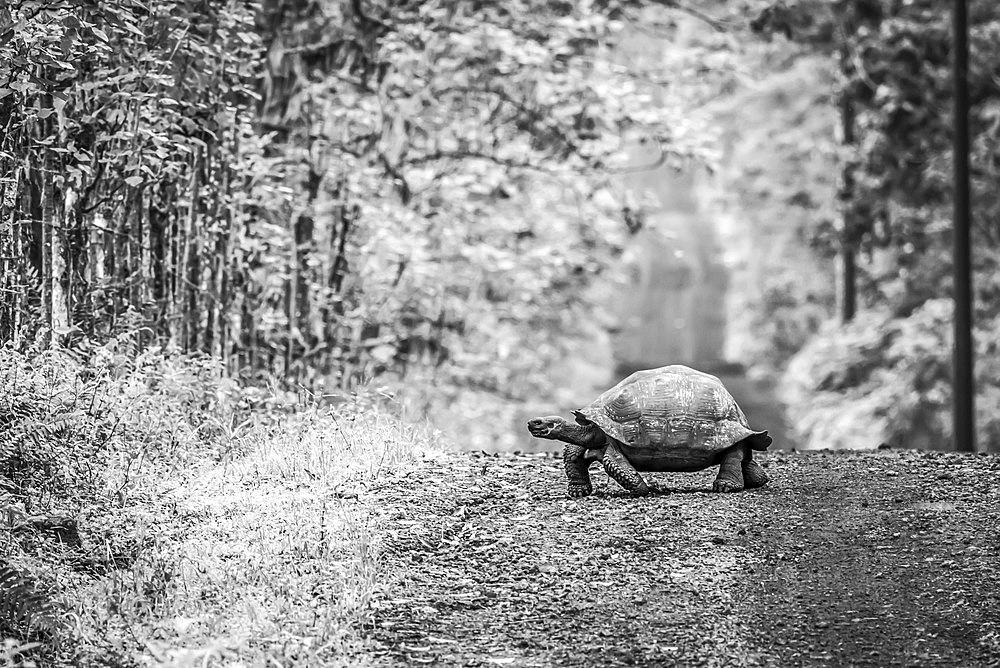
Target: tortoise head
{"type": "Point", "coordinates": [551, 426]}
{"type": "Point", "coordinates": [582, 432]}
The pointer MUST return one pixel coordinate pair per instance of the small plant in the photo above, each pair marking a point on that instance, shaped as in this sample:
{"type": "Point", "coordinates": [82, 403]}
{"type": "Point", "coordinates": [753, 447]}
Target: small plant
{"type": "Point", "coordinates": [12, 650]}
{"type": "Point", "coordinates": [23, 608]}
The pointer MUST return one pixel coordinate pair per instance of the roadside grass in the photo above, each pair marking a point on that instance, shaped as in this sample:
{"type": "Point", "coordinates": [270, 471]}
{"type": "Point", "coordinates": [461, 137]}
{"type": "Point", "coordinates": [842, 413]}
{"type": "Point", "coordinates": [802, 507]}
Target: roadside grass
{"type": "Point", "coordinates": [273, 557]}
{"type": "Point", "coordinates": [250, 546]}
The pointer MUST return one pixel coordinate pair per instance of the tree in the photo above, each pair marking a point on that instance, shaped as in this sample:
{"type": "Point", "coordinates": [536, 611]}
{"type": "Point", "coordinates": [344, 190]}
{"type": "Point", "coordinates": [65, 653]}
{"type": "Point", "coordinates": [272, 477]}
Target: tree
{"type": "Point", "coordinates": [322, 190]}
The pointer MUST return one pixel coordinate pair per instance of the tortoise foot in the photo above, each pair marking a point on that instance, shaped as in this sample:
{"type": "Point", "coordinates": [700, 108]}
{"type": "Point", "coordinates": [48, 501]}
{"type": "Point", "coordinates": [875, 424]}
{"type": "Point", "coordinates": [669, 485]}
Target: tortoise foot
{"type": "Point", "coordinates": [754, 475]}
{"type": "Point", "coordinates": [727, 485]}
{"type": "Point", "coordinates": [580, 491]}
{"type": "Point", "coordinates": [642, 490]}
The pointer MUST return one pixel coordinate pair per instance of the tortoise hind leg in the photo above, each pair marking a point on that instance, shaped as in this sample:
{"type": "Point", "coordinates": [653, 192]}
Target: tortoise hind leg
{"type": "Point", "coordinates": [754, 475]}
{"type": "Point", "coordinates": [622, 472]}
{"type": "Point", "coordinates": [730, 478]}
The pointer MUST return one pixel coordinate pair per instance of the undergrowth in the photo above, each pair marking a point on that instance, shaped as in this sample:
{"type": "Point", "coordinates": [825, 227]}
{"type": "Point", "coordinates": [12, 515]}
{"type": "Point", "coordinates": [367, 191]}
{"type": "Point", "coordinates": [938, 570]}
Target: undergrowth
{"type": "Point", "coordinates": [887, 379]}
{"type": "Point", "coordinates": [155, 512]}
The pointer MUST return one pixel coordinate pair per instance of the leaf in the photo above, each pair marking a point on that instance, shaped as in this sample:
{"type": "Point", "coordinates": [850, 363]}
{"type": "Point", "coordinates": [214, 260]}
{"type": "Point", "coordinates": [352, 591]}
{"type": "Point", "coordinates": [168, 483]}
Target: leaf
{"type": "Point", "coordinates": [22, 604]}
{"type": "Point", "coordinates": [132, 29]}
{"type": "Point", "coordinates": [101, 34]}
{"type": "Point", "coordinates": [134, 181]}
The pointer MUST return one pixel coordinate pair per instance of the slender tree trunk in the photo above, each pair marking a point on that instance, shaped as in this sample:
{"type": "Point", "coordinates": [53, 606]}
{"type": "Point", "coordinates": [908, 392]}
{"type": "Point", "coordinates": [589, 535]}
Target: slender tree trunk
{"type": "Point", "coordinates": [193, 278]}
{"type": "Point", "coordinates": [77, 257]}
{"type": "Point", "coordinates": [964, 377]}
{"type": "Point", "coordinates": [118, 264]}
{"type": "Point", "coordinates": [41, 245]}
{"type": "Point", "coordinates": [849, 235]}
{"type": "Point", "coordinates": [96, 263]}
{"type": "Point", "coordinates": [158, 261]}
{"type": "Point", "coordinates": [143, 266]}
{"type": "Point", "coordinates": [339, 265]}
{"type": "Point", "coordinates": [290, 299]}
{"type": "Point", "coordinates": [12, 266]}
{"type": "Point", "coordinates": [304, 229]}
{"type": "Point", "coordinates": [59, 307]}
{"type": "Point", "coordinates": [241, 285]}
{"type": "Point", "coordinates": [220, 298]}
{"type": "Point", "coordinates": [173, 284]}
{"type": "Point", "coordinates": [187, 254]}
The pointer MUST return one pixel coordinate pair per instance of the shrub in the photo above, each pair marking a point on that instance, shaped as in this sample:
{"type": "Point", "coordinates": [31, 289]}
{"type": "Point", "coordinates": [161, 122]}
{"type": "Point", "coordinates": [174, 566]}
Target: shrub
{"type": "Point", "coordinates": [83, 432]}
{"type": "Point", "coordinates": [878, 379]}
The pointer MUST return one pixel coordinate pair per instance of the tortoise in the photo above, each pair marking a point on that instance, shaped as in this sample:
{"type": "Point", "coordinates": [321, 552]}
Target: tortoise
{"type": "Point", "coordinates": [673, 418]}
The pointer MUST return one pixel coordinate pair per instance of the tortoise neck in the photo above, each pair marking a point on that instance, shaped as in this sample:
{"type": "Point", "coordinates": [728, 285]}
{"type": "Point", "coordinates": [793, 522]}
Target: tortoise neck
{"type": "Point", "coordinates": [588, 436]}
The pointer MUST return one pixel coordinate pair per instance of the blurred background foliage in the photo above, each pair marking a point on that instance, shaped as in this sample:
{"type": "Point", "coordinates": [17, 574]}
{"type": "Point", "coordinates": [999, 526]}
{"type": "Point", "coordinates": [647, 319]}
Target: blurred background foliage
{"type": "Point", "coordinates": [892, 65]}
{"type": "Point", "coordinates": [428, 196]}
{"type": "Point", "coordinates": [320, 191]}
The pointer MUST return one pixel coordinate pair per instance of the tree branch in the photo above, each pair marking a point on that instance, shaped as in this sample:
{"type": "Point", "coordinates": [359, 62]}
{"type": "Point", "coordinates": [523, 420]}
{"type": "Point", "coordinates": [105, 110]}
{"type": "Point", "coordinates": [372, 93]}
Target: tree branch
{"type": "Point", "coordinates": [471, 155]}
{"type": "Point", "coordinates": [718, 25]}
{"type": "Point", "coordinates": [532, 115]}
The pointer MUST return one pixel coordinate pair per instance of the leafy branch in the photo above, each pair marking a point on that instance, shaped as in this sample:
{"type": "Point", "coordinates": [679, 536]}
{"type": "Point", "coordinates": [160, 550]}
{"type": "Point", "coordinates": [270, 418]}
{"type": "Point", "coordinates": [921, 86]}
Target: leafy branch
{"type": "Point", "coordinates": [23, 607]}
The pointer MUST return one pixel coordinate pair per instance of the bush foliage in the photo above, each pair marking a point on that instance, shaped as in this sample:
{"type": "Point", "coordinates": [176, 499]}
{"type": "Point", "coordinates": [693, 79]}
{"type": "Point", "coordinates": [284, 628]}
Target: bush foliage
{"type": "Point", "coordinates": [885, 379]}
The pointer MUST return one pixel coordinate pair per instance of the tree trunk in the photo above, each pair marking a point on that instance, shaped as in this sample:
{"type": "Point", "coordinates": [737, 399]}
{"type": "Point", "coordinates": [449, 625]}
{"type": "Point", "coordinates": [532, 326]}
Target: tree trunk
{"type": "Point", "coordinates": [187, 275]}
{"type": "Point", "coordinates": [964, 353]}
{"type": "Point", "coordinates": [158, 223]}
{"type": "Point", "coordinates": [96, 263]}
{"type": "Point", "coordinates": [849, 233]}
{"type": "Point", "coordinates": [59, 307]}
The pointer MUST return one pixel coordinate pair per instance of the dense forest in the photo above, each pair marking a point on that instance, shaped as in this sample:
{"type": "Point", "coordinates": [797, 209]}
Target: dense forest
{"type": "Point", "coordinates": [215, 212]}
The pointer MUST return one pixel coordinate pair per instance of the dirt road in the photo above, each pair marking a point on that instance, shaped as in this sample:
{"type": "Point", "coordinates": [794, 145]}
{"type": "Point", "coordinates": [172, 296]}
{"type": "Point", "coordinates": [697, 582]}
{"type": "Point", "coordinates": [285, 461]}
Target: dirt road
{"type": "Point", "coordinates": [871, 559]}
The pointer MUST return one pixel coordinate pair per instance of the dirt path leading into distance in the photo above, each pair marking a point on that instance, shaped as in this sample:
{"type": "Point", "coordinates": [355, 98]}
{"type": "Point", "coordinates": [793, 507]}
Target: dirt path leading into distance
{"type": "Point", "coordinates": [873, 559]}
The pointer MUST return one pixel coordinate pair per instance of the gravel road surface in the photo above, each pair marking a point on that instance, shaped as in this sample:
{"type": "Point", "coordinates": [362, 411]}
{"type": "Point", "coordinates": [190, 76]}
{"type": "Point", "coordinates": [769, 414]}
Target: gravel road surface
{"type": "Point", "coordinates": [888, 558]}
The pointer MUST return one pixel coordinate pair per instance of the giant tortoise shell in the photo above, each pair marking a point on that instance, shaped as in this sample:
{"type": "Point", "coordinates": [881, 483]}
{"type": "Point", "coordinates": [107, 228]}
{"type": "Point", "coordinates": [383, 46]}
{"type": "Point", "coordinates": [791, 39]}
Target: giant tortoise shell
{"type": "Point", "coordinates": [673, 418]}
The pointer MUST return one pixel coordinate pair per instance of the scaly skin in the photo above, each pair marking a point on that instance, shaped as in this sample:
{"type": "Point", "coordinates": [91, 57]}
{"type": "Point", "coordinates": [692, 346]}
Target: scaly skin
{"type": "Point", "coordinates": [730, 478]}
{"type": "Point", "coordinates": [577, 470]}
{"type": "Point", "coordinates": [754, 475]}
{"type": "Point", "coordinates": [580, 440]}
{"type": "Point", "coordinates": [622, 472]}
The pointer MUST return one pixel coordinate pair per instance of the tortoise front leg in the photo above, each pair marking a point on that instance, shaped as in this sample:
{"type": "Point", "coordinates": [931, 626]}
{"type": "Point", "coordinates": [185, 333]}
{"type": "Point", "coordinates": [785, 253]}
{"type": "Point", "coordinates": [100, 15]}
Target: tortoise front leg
{"type": "Point", "coordinates": [619, 469]}
{"type": "Point", "coordinates": [577, 470]}
{"type": "Point", "coordinates": [730, 478]}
